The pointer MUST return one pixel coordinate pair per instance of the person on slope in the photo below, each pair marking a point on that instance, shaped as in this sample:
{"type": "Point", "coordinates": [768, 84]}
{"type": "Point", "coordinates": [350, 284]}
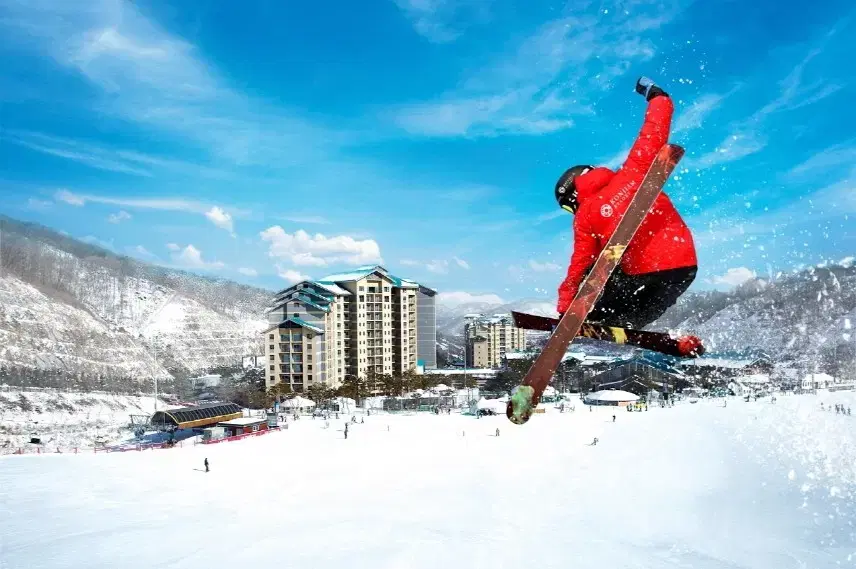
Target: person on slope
{"type": "Point", "coordinates": [660, 262]}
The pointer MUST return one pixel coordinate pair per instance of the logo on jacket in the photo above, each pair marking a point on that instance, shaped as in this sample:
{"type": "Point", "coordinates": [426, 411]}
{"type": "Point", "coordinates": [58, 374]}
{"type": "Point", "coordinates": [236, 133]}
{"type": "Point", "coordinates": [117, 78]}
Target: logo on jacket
{"type": "Point", "coordinates": [606, 210]}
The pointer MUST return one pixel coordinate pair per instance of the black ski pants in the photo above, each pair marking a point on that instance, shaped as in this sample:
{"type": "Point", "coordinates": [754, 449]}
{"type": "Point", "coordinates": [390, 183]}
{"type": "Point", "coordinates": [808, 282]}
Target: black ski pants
{"type": "Point", "coordinates": [634, 301]}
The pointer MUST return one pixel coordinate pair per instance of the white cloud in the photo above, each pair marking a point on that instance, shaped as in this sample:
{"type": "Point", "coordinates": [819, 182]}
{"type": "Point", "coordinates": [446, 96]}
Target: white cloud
{"type": "Point", "coordinates": [555, 214]}
{"type": "Point", "coordinates": [112, 160]}
{"type": "Point", "coordinates": [220, 218]}
{"type": "Point", "coordinates": [545, 80]}
{"type": "Point", "coordinates": [303, 249]}
{"type": "Point", "coordinates": [795, 91]}
{"type": "Point", "coordinates": [547, 267]}
{"type": "Point", "coordinates": [216, 214]}
{"type": "Point", "coordinates": [616, 160]}
{"type": "Point", "coordinates": [314, 219]}
{"type": "Point", "coordinates": [735, 147]}
{"type": "Point", "coordinates": [92, 240]}
{"type": "Point", "coordinates": [409, 262]}
{"type": "Point", "coordinates": [143, 252]}
{"type": "Point", "coordinates": [438, 21]}
{"type": "Point", "coordinates": [461, 263]}
{"type": "Point", "coordinates": [828, 159]}
{"type": "Point", "coordinates": [119, 216]}
{"type": "Point", "coordinates": [172, 247]}
{"type": "Point", "coordinates": [248, 272]}
{"type": "Point", "coordinates": [143, 74]}
{"type": "Point", "coordinates": [93, 160]}
{"type": "Point", "coordinates": [291, 276]}
{"type": "Point", "coordinates": [694, 115]}
{"type": "Point", "coordinates": [69, 198]}
{"type": "Point", "coordinates": [37, 204]}
{"type": "Point", "coordinates": [456, 298]}
{"type": "Point", "coordinates": [734, 277]}
{"type": "Point", "coordinates": [439, 266]}
{"type": "Point", "coordinates": [191, 258]}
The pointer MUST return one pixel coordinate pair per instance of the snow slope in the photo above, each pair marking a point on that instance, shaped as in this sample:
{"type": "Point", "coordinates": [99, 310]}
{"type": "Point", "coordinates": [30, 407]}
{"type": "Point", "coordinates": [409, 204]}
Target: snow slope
{"type": "Point", "coordinates": [39, 332]}
{"type": "Point", "coordinates": [806, 314]}
{"type": "Point", "coordinates": [67, 420]}
{"type": "Point", "coordinates": [751, 485]}
{"type": "Point", "coordinates": [73, 302]}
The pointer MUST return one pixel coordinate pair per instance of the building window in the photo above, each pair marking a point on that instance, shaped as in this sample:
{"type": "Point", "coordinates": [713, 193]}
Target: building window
{"type": "Point", "coordinates": [309, 378]}
{"type": "Point", "coordinates": [361, 288]}
{"type": "Point", "coordinates": [272, 368]}
{"type": "Point", "coordinates": [271, 357]}
{"type": "Point", "coordinates": [309, 357]}
{"type": "Point", "coordinates": [309, 367]}
{"type": "Point", "coordinates": [270, 337]}
{"type": "Point", "coordinates": [271, 347]}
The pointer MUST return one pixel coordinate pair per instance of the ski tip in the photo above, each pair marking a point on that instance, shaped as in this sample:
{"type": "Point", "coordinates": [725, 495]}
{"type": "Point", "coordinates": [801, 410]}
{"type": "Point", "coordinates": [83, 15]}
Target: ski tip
{"type": "Point", "coordinates": [519, 408]}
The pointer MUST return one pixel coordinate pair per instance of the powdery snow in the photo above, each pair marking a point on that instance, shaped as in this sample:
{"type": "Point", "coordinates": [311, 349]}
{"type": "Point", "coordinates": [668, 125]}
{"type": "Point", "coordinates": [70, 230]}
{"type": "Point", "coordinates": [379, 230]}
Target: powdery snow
{"type": "Point", "coordinates": [67, 420]}
{"type": "Point", "coordinates": [751, 485]}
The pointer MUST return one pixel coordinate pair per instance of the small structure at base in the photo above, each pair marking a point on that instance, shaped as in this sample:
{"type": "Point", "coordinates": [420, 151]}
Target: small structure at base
{"type": "Point", "coordinates": [244, 425]}
{"type": "Point", "coordinates": [213, 434]}
{"type": "Point", "coordinates": [614, 397]}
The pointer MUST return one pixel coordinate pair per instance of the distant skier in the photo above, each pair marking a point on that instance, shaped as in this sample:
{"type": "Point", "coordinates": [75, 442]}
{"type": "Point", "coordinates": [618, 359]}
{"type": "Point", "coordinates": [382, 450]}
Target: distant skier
{"type": "Point", "coordinates": [206, 465]}
{"type": "Point", "coordinates": [660, 262]}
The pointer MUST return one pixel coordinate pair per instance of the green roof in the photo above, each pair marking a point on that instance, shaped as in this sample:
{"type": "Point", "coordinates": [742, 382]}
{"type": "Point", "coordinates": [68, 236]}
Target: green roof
{"type": "Point", "coordinates": [298, 322]}
{"type": "Point", "coordinates": [361, 272]}
{"type": "Point", "coordinates": [301, 322]}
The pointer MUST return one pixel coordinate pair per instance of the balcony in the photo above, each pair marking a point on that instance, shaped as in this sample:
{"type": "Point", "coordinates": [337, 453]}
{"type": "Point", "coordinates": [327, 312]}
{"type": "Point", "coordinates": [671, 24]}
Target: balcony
{"type": "Point", "coordinates": [297, 348]}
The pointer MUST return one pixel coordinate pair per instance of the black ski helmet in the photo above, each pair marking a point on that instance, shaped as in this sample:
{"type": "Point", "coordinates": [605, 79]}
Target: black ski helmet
{"type": "Point", "coordinates": [566, 189]}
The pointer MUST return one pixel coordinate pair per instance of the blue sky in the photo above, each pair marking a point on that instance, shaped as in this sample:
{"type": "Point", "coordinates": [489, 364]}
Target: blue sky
{"type": "Point", "coordinates": [263, 141]}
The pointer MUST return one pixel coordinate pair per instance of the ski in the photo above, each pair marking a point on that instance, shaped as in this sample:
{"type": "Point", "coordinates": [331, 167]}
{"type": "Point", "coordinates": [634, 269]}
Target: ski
{"type": "Point", "coordinates": [526, 397]}
{"type": "Point", "coordinates": [682, 347]}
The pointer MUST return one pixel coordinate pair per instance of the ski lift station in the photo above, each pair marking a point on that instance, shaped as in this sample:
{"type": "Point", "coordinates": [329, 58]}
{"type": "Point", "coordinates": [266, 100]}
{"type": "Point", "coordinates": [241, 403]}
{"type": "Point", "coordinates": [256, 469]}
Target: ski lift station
{"type": "Point", "coordinates": [195, 416]}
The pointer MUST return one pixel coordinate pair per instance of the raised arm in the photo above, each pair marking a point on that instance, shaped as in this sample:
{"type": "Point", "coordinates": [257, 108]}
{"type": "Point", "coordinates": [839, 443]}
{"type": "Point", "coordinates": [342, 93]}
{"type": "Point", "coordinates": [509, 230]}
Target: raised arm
{"type": "Point", "coordinates": [655, 130]}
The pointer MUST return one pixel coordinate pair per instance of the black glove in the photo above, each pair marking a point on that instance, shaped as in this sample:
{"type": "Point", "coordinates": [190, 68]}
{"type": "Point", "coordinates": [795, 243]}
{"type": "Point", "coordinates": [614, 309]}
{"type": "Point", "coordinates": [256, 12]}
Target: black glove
{"type": "Point", "coordinates": [648, 89]}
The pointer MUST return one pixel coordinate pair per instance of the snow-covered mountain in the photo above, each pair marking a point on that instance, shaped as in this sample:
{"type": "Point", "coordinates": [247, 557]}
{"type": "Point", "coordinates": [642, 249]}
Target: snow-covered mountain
{"type": "Point", "coordinates": [804, 316]}
{"type": "Point", "coordinates": [72, 308]}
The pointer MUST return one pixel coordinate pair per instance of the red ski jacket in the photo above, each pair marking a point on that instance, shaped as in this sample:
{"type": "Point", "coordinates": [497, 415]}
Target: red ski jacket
{"type": "Point", "coordinates": [662, 242]}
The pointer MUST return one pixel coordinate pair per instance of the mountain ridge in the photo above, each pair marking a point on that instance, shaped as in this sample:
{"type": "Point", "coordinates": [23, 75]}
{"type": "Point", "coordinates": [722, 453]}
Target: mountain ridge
{"type": "Point", "coordinates": [184, 323]}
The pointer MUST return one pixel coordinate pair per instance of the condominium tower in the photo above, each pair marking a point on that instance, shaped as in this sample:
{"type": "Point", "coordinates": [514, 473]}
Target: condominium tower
{"type": "Point", "coordinates": [353, 323]}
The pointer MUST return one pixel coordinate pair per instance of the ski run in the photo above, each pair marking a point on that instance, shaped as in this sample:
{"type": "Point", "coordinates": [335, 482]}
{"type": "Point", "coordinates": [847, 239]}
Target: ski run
{"type": "Point", "coordinates": [710, 483]}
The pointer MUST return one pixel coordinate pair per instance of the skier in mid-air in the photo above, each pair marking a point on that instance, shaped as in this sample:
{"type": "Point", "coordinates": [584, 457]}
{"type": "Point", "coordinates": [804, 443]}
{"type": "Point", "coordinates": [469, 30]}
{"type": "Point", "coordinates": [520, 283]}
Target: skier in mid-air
{"type": "Point", "coordinates": [660, 262]}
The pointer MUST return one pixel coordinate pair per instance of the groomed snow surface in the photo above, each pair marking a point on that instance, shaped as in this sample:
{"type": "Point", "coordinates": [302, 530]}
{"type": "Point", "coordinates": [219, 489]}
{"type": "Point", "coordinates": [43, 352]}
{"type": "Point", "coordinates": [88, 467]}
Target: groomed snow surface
{"type": "Point", "coordinates": [67, 420]}
{"type": "Point", "coordinates": [702, 486]}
